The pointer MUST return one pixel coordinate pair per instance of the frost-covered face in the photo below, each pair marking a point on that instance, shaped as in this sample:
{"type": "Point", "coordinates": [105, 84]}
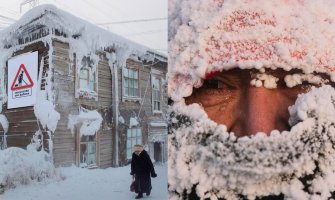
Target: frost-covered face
{"type": "Point", "coordinates": [295, 164]}
{"type": "Point", "coordinates": [206, 159]}
{"type": "Point", "coordinates": [250, 101]}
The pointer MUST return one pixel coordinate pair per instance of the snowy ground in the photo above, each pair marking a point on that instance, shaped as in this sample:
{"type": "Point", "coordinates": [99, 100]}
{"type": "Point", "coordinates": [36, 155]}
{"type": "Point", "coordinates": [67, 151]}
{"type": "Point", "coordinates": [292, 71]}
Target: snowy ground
{"type": "Point", "coordinates": [85, 184]}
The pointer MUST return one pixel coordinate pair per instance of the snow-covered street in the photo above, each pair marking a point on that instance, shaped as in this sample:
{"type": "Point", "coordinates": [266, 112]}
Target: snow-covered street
{"type": "Point", "coordinates": [86, 184]}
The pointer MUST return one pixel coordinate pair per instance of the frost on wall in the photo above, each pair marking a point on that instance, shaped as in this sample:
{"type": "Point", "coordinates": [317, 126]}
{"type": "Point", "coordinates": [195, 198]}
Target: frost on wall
{"type": "Point", "coordinates": [90, 121]}
{"type": "Point", "coordinates": [44, 108]}
{"type": "Point", "coordinates": [133, 121]}
{"type": "Point", "coordinates": [4, 122]}
{"type": "Point", "coordinates": [121, 119]}
{"type": "Point", "coordinates": [158, 138]}
{"type": "Point", "coordinates": [3, 95]}
{"type": "Point", "coordinates": [203, 154]}
{"type": "Point", "coordinates": [45, 112]}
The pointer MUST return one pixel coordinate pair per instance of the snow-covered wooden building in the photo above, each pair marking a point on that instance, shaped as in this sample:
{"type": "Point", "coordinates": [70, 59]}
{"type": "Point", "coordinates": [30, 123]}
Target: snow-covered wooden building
{"type": "Point", "coordinates": [80, 92]}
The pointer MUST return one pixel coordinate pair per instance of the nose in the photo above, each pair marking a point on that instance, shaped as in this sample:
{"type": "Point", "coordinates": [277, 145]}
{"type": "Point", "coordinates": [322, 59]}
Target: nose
{"type": "Point", "coordinates": [263, 110]}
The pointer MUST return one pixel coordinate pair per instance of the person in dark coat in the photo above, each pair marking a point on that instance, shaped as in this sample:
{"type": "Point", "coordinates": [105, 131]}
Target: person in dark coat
{"type": "Point", "coordinates": [142, 168]}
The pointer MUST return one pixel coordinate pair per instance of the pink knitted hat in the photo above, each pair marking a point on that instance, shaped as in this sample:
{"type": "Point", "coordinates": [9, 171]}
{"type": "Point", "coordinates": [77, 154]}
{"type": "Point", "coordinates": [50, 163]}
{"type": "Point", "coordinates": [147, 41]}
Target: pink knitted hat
{"type": "Point", "coordinates": [215, 35]}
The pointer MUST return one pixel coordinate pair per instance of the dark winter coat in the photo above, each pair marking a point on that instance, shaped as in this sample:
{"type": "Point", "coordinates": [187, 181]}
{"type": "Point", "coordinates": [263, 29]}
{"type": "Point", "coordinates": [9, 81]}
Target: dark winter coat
{"type": "Point", "coordinates": [142, 168]}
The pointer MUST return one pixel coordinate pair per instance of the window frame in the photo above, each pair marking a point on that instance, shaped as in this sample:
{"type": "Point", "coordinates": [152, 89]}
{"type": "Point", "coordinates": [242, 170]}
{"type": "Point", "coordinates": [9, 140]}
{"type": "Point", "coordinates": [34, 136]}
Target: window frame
{"type": "Point", "coordinates": [79, 143]}
{"type": "Point", "coordinates": [127, 79]}
{"type": "Point", "coordinates": [156, 96]}
{"type": "Point", "coordinates": [90, 90]}
{"type": "Point", "coordinates": [156, 75]}
{"type": "Point", "coordinates": [132, 140]}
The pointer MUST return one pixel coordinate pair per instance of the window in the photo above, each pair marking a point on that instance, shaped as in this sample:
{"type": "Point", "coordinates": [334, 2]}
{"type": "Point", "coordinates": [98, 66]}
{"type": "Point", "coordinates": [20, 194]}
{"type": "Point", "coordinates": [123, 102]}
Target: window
{"type": "Point", "coordinates": [130, 84]}
{"type": "Point", "coordinates": [87, 79]}
{"type": "Point", "coordinates": [134, 136]}
{"type": "Point", "coordinates": [87, 151]}
{"type": "Point", "coordinates": [156, 93]}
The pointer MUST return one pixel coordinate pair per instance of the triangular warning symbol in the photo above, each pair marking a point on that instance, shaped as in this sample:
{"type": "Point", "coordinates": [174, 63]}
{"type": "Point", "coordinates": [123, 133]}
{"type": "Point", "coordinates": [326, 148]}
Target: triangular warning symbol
{"type": "Point", "coordinates": [19, 81]}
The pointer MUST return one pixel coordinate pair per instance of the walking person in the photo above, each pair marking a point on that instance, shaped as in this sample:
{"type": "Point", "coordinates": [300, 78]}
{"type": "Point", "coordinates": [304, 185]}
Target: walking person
{"type": "Point", "coordinates": [142, 168]}
{"type": "Point", "coordinates": [20, 78]}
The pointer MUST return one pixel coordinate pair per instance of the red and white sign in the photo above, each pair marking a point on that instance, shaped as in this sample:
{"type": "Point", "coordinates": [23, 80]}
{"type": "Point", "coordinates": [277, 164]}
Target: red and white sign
{"type": "Point", "coordinates": [22, 80]}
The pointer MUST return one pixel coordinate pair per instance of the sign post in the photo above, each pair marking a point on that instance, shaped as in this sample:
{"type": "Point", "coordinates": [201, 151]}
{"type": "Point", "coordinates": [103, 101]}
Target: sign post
{"type": "Point", "coordinates": [22, 80]}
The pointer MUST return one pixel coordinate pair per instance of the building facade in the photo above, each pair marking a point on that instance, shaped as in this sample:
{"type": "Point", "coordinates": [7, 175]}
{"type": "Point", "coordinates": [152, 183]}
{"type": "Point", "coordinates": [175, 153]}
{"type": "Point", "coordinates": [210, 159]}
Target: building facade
{"type": "Point", "coordinates": [97, 94]}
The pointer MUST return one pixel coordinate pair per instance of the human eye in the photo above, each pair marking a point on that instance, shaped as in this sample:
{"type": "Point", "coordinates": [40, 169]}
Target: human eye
{"type": "Point", "coordinates": [218, 84]}
{"type": "Point", "coordinates": [214, 92]}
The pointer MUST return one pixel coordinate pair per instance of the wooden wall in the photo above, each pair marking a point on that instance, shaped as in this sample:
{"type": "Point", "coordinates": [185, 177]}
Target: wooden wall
{"type": "Point", "coordinates": [127, 106]}
{"type": "Point", "coordinates": [64, 78]}
{"type": "Point", "coordinates": [66, 104]}
{"type": "Point", "coordinates": [22, 121]}
{"type": "Point", "coordinates": [105, 107]}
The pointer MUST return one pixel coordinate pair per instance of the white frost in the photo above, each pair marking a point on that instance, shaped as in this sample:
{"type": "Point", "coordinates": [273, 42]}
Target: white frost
{"type": "Point", "coordinates": [19, 166]}
{"type": "Point", "coordinates": [45, 112]}
{"type": "Point", "coordinates": [4, 122]}
{"type": "Point", "coordinates": [217, 35]}
{"type": "Point", "coordinates": [266, 80]}
{"type": "Point", "coordinates": [201, 150]}
{"type": "Point", "coordinates": [90, 121]}
{"type": "Point", "coordinates": [133, 121]}
{"type": "Point", "coordinates": [121, 119]}
{"type": "Point", "coordinates": [297, 79]}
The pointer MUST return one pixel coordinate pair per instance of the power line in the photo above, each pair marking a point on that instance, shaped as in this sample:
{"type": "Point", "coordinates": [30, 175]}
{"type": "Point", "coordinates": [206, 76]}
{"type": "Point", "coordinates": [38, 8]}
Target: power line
{"type": "Point", "coordinates": [7, 18]}
{"type": "Point", "coordinates": [8, 10]}
{"type": "Point", "coordinates": [32, 4]}
{"type": "Point", "coordinates": [125, 25]}
{"type": "Point", "coordinates": [132, 21]}
{"type": "Point", "coordinates": [147, 32]}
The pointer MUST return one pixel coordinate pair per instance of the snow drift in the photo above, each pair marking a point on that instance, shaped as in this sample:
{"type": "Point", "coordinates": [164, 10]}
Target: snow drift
{"type": "Point", "coordinates": [19, 166]}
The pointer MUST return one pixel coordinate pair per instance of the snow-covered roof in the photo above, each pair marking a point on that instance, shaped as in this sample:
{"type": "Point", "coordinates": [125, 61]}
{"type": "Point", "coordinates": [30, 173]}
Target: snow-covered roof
{"type": "Point", "coordinates": [53, 19]}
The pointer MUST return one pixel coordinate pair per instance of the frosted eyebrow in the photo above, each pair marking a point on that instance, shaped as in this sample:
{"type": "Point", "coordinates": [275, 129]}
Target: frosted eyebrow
{"type": "Point", "coordinates": [230, 79]}
{"type": "Point", "coordinates": [266, 80]}
{"type": "Point", "coordinates": [292, 80]}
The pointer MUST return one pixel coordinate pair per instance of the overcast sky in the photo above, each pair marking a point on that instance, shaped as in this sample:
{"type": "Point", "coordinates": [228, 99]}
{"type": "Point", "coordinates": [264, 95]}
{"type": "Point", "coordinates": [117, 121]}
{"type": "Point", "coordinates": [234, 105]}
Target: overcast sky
{"type": "Point", "coordinates": [143, 21]}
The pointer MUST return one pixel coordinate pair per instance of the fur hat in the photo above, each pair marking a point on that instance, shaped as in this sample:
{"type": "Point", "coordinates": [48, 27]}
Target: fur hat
{"type": "Point", "coordinates": [216, 35]}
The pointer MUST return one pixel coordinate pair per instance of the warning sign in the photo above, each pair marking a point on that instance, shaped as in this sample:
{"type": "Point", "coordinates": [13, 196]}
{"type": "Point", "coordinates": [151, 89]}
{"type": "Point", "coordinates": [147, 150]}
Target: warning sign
{"type": "Point", "coordinates": [22, 76]}
{"type": "Point", "coordinates": [22, 84]}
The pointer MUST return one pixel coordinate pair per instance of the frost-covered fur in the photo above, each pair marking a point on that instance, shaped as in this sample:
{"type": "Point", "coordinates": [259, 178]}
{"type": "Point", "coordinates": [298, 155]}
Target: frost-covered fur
{"type": "Point", "coordinates": [297, 164]}
{"type": "Point", "coordinates": [207, 36]}
{"type": "Point", "coordinates": [216, 35]}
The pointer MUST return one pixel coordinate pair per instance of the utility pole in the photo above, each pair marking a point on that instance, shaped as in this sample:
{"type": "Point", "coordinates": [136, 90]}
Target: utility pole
{"type": "Point", "coordinates": [31, 3]}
